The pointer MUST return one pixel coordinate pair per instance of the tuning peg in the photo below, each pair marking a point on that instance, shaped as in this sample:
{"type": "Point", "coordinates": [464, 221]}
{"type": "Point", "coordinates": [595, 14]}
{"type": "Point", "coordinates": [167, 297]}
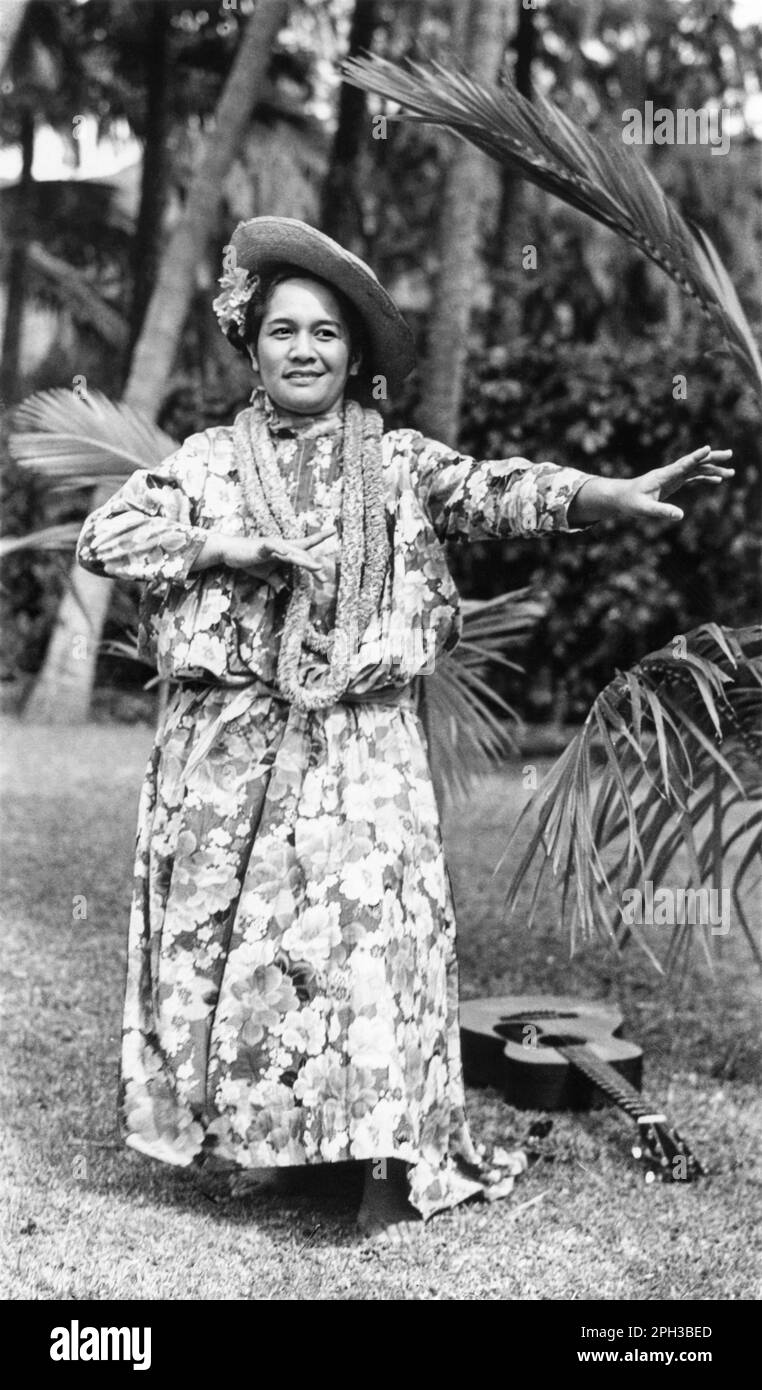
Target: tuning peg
{"type": "Point", "coordinates": [650, 1177]}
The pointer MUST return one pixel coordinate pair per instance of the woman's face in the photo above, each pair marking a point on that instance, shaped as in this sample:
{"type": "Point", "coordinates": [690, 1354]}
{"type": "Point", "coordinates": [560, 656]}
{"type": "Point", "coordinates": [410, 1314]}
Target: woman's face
{"type": "Point", "coordinates": [303, 352]}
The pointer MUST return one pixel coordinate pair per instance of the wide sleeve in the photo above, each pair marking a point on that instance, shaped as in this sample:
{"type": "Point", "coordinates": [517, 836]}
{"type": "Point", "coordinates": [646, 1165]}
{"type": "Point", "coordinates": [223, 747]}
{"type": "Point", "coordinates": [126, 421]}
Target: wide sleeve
{"type": "Point", "coordinates": [149, 529]}
{"type": "Point", "coordinates": [470, 500]}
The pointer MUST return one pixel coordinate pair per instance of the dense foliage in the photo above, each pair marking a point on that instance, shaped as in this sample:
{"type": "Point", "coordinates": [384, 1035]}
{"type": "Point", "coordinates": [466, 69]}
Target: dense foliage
{"type": "Point", "coordinates": [617, 592]}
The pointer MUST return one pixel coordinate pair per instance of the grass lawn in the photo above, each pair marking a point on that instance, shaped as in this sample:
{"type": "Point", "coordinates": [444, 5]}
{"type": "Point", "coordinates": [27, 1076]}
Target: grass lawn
{"type": "Point", "coordinates": [83, 1217]}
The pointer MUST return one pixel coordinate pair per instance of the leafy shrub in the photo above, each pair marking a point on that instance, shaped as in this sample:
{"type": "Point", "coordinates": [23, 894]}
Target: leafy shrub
{"type": "Point", "coordinates": [617, 591]}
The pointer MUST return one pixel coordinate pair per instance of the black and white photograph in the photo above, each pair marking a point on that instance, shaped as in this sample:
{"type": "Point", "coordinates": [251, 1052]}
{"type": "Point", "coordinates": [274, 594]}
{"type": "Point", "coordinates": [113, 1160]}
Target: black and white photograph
{"type": "Point", "coordinates": [380, 455]}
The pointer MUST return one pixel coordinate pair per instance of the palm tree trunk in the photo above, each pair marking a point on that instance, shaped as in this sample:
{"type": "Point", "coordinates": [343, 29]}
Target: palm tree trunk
{"type": "Point", "coordinates": [176, 283]}
{"type": "Point", "coordinates": [153, 182]}
{"type": "Point", "coordinates": [18, 263]}
{"type": "Point", "coordinates": [64, 686]}
{"type": "Point", "coordinates": [505, 319]}
{"type": "Point", "coordinates": [458, 234]}
{"type": "Point", "coordinates": [63, 689]}
{"type": "Point", "coordinates": [11, 14]}
{"type": "Point", "coordinates": [341, 207]}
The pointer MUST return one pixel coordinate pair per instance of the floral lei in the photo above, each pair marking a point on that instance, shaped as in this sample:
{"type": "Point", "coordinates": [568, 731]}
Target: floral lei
{"type": "Point", "coordinates": [364, 545]}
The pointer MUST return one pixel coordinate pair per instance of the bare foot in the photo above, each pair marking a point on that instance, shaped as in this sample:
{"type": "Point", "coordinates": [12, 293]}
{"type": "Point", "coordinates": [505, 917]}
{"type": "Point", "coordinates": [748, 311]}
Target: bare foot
{"type": "Point", "coordinates": [265, 1182]}
{"type": "Point", "coordinates": [386, 1216]}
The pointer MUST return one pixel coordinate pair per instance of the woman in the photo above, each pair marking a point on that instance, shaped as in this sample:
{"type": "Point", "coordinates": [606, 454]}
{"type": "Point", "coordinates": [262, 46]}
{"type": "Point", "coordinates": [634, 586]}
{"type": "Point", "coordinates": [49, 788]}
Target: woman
{"type": "Point", "coordinates": [291, 989]}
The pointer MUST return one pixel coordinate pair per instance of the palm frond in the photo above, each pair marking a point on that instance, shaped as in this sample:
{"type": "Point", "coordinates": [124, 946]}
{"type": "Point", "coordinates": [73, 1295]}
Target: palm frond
{"type": "Point", "coordinates": [73, 290]}
{"type": "Point", "coordinates": [62, 537]}
{"type": "Point", "coordinates": [661, 785]}
{"type": "Point", "coordinates": [76, 441]}
{"type": "Point", "coordinates": [469, 728]}
{"type": "Point", "coordinates": [501, 622]}
{"type": "Point", "coordinates": [539, 142]}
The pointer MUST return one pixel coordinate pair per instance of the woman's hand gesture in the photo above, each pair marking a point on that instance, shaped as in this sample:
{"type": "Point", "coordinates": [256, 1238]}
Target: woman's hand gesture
{"type": "Point", "coordinates": [644, 496]}
{"type": "Point", "coordinates": [599, 498]}
{"type": "Point", "coordinates": [260, 555]}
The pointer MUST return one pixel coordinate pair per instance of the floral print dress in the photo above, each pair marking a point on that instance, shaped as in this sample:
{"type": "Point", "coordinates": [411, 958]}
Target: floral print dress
{"type": "Point", "coordinates": [291, 990]}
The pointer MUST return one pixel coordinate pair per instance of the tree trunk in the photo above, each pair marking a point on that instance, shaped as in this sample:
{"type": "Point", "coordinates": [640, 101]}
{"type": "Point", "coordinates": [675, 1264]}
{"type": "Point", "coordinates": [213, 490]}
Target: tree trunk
{"type": "Point", "coordinates": [505, 319]}
{"type": "Point", "coordinates": [64, 686]}
{"type": "Point", "coordinates": [11, 14]}
{"type": "Point", "coordinates": [153, 182]}
{"type": "Point", "coordinates": [63, 689]}
{"type": "Point", "coordinates": [443, 368]}
{"type": "Point", "coordinates": [176, 282]}
{"type": "Point", "coordinates": [10, 357]}
{"type": "Point", "coordinates": [341, 209]}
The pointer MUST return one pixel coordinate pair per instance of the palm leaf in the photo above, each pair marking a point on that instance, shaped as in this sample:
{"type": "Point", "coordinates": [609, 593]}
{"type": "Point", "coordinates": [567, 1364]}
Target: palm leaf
{"type": "Point", "coordinates": [62, 537]}
{"type": "Point", "coordinates": [79, 441]}
{"type": "Point", "coordinates": [508, 616]}
{"type": "Point", "coordinates": [539, 142]}
{"type": "Point", "coordinates": [74, 290]}
{"type": "Point", "coordinates": [667, 798]}
{"type": "Point", "coordinates": [469, 728]}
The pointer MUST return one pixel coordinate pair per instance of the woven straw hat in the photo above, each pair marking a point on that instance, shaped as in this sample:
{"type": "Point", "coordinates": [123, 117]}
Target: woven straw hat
{"type": "Point", "coordinates": [265, 241]}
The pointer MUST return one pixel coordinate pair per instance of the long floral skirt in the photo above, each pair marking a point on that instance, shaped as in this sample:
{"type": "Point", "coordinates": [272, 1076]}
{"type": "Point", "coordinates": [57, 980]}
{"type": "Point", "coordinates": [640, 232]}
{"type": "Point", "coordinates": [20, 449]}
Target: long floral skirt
{"type": "Point", "coordinates": [291, 982]}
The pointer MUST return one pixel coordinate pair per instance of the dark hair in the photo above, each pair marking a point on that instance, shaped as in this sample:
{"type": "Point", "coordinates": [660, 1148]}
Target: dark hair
{"type": "Point", "coordinates": [357, 386]}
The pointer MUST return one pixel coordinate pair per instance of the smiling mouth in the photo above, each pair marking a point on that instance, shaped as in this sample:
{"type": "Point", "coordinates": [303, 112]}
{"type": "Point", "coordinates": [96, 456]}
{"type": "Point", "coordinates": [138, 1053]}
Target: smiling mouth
{"type": "Point", "coordinates": [303, 376]}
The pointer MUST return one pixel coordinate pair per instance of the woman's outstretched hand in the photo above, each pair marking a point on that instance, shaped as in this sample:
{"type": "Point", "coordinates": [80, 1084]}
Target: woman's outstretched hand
{"type": "Point", "coordinates": [599, 498]}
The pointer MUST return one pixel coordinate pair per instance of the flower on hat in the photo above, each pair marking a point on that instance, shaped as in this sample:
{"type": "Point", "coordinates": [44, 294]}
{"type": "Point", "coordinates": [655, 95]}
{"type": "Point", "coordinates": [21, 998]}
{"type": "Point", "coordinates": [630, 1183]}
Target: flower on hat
{"type": "Point", "coordinates": [231, 303]}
